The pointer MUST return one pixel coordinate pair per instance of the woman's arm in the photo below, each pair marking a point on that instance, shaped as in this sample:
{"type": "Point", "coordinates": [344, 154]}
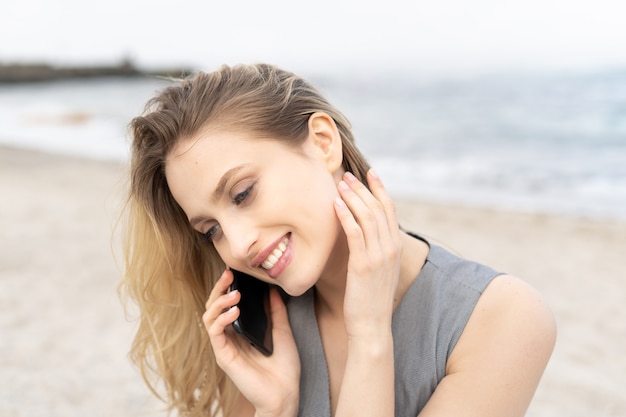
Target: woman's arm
{"type": "Point", "coordinates": [497, 363]}
{"type": "Point", "coordinates": [367, 388]}
{"type": "Point", "coordinates": [369, 221]}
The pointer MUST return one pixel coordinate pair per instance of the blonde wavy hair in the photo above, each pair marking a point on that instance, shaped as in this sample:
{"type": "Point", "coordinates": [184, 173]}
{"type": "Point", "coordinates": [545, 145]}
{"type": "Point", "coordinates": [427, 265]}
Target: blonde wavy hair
{"type": "Point", "coordinates": [169, 269]}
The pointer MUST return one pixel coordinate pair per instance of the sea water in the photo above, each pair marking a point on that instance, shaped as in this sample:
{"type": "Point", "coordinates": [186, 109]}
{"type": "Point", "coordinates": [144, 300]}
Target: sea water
{"type": "Point", "coordinates": [536, 142]}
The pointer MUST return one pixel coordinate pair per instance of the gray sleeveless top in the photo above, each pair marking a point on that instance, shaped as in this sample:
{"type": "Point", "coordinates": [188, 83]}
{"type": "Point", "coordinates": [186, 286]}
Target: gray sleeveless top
{"type": "Point", "coordinates": [426, 326]}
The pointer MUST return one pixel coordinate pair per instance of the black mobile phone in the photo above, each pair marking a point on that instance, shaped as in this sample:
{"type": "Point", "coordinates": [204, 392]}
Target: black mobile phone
{"type": "Point", "coordinates": [255, 321]}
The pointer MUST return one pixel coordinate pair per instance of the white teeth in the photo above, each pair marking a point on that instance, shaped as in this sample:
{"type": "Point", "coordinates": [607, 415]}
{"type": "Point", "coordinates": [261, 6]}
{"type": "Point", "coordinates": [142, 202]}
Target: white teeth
{"type": "Point", "coordinates": [276, 254]}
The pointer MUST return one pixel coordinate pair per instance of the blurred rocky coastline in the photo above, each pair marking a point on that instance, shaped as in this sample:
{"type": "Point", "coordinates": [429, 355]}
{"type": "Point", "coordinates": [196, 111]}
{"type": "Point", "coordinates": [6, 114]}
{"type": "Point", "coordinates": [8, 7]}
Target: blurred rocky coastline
{"type": "Point", "coordinates": [38, 72]}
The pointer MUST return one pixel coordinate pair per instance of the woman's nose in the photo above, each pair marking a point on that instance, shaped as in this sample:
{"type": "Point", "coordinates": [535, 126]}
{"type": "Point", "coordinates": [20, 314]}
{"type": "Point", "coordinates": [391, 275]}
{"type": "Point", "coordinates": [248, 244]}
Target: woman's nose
{"type": "Point", "coordinates": [241, 237]}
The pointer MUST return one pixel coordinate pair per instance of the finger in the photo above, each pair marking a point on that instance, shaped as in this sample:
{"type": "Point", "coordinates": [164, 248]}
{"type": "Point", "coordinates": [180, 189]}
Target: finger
{"type": "Point", "coordinates": [354, 233]}
{"type": "Point", "coordinates": [278, 310]}
{"type": "Point", "coordinates": [281, 329]}
{"type": "Point", "coordinates": [221, 286]}
{"type": "Point", "coordinates": [372, 216]}
{"type": "Point", "coordinates": [217, 326]}
{"type": "Point", "coordinates": [365, 218]}
{"type": "Point", "coordinates": [221, 298]}
{"type": "Point", "coordinates": [380, 193]}
{"type": "Point", "coordinates": [221, 305]}
{"type": "Point", "coordinates": [221, 343]}
{"type": "Point", "coordinates": [217, 329]}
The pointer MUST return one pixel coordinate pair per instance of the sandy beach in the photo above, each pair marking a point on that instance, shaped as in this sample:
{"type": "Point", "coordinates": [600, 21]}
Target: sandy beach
{"type": "Point", "coordinates": [64, 337]}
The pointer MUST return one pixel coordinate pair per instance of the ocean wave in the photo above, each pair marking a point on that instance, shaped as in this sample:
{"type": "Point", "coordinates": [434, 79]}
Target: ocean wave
{"type": "Point", "coordinates": [542, 143]}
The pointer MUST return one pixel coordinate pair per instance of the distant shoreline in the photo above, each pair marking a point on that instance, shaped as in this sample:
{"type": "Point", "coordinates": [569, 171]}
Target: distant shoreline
{"type": "Point", "coordinates": [41, 72]}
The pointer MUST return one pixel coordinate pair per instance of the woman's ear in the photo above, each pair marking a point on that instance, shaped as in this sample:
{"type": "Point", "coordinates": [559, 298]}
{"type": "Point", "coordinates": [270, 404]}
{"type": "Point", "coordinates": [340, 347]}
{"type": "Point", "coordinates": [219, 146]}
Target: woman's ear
{"type": "Point", "coordinates": [325, 137]}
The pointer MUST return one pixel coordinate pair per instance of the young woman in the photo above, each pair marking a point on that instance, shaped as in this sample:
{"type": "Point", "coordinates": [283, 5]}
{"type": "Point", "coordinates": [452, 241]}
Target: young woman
{"type": "Point", "coordinates": [250, 168]}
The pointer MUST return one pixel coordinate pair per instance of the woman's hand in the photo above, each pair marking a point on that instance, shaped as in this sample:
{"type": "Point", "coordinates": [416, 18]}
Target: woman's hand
{"type": "Point", "coordinates": [369, 222]}
{"type": "Point", "coordinates": [270, 383]}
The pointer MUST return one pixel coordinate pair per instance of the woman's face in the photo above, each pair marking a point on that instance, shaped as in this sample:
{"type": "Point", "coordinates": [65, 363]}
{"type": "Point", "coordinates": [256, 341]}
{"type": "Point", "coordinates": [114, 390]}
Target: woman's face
{"type": "Point", "coordinates": [266, 206]}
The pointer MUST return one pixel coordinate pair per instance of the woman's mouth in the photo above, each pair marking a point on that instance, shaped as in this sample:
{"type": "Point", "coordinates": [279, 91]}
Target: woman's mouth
{"type": "Point", "coordinates": [276, 254]}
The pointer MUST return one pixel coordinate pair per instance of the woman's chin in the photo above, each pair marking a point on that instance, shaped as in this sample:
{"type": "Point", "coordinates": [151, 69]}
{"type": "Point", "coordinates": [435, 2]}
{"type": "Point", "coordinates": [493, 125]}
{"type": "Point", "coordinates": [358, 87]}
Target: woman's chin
{"type": "Point", "coordinates": [293, 291]}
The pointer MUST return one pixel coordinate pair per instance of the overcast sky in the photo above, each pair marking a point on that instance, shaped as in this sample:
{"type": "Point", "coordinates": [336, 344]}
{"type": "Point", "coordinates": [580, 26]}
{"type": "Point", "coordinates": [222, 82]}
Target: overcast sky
{"type": "Point", "coordinates": [322, 35]}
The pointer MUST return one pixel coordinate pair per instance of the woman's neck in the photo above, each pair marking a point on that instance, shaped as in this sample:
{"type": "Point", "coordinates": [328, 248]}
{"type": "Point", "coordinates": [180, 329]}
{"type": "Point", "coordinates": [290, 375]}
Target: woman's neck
{"type": "Point", "coordinates": [330, 288]}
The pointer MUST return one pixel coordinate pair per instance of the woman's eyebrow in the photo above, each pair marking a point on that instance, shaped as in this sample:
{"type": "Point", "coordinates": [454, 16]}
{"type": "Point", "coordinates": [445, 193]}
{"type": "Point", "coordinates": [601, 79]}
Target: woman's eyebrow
{"type": "Point", "coordinates": [219, 190]}
{"type": "Point", "coordinates": [221, 185]}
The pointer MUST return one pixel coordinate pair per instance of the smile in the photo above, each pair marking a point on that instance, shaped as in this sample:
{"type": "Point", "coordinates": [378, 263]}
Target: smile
{"type": "Point", "coordinates": [276, 254]}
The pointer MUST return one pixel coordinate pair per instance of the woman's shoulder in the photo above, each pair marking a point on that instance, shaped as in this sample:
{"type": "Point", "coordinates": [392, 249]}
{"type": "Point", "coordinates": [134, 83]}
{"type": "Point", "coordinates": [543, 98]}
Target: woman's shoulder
{"type": "Point", "coordinates": [515, 312]}
{"type": "Point", "coordinates": [503, 349]}
{"type": "Point", "coordinates": [497, 296]}
{"type": "Point", "coordinates": [498, 330]}
{"type": "Point", "coordinates": [440, 301]}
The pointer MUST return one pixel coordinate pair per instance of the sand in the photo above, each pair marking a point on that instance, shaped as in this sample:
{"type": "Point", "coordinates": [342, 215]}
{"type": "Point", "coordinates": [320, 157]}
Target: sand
{"type": "Point", "coordinates": [64, 337]}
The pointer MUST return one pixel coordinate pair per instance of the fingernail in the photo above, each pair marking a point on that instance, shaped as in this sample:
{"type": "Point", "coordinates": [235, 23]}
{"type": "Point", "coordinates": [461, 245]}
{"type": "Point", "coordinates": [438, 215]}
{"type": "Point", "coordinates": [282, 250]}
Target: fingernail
{"type": "Point", "coordinates": [373, 173]}
{"type": "Point", "coordinates": [343, 186]}
{"type": "Point", "coordinates": [339, 202]}
{"type": "Point", "coordinates": [350, 176]}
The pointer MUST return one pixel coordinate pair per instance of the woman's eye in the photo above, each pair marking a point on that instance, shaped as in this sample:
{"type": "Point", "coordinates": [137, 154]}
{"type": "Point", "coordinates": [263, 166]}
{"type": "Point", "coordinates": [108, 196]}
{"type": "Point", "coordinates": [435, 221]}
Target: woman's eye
{"type": "Point", "coordinates": [241, 197]}
{"type": "Point", "coordinates": [210, 234]}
